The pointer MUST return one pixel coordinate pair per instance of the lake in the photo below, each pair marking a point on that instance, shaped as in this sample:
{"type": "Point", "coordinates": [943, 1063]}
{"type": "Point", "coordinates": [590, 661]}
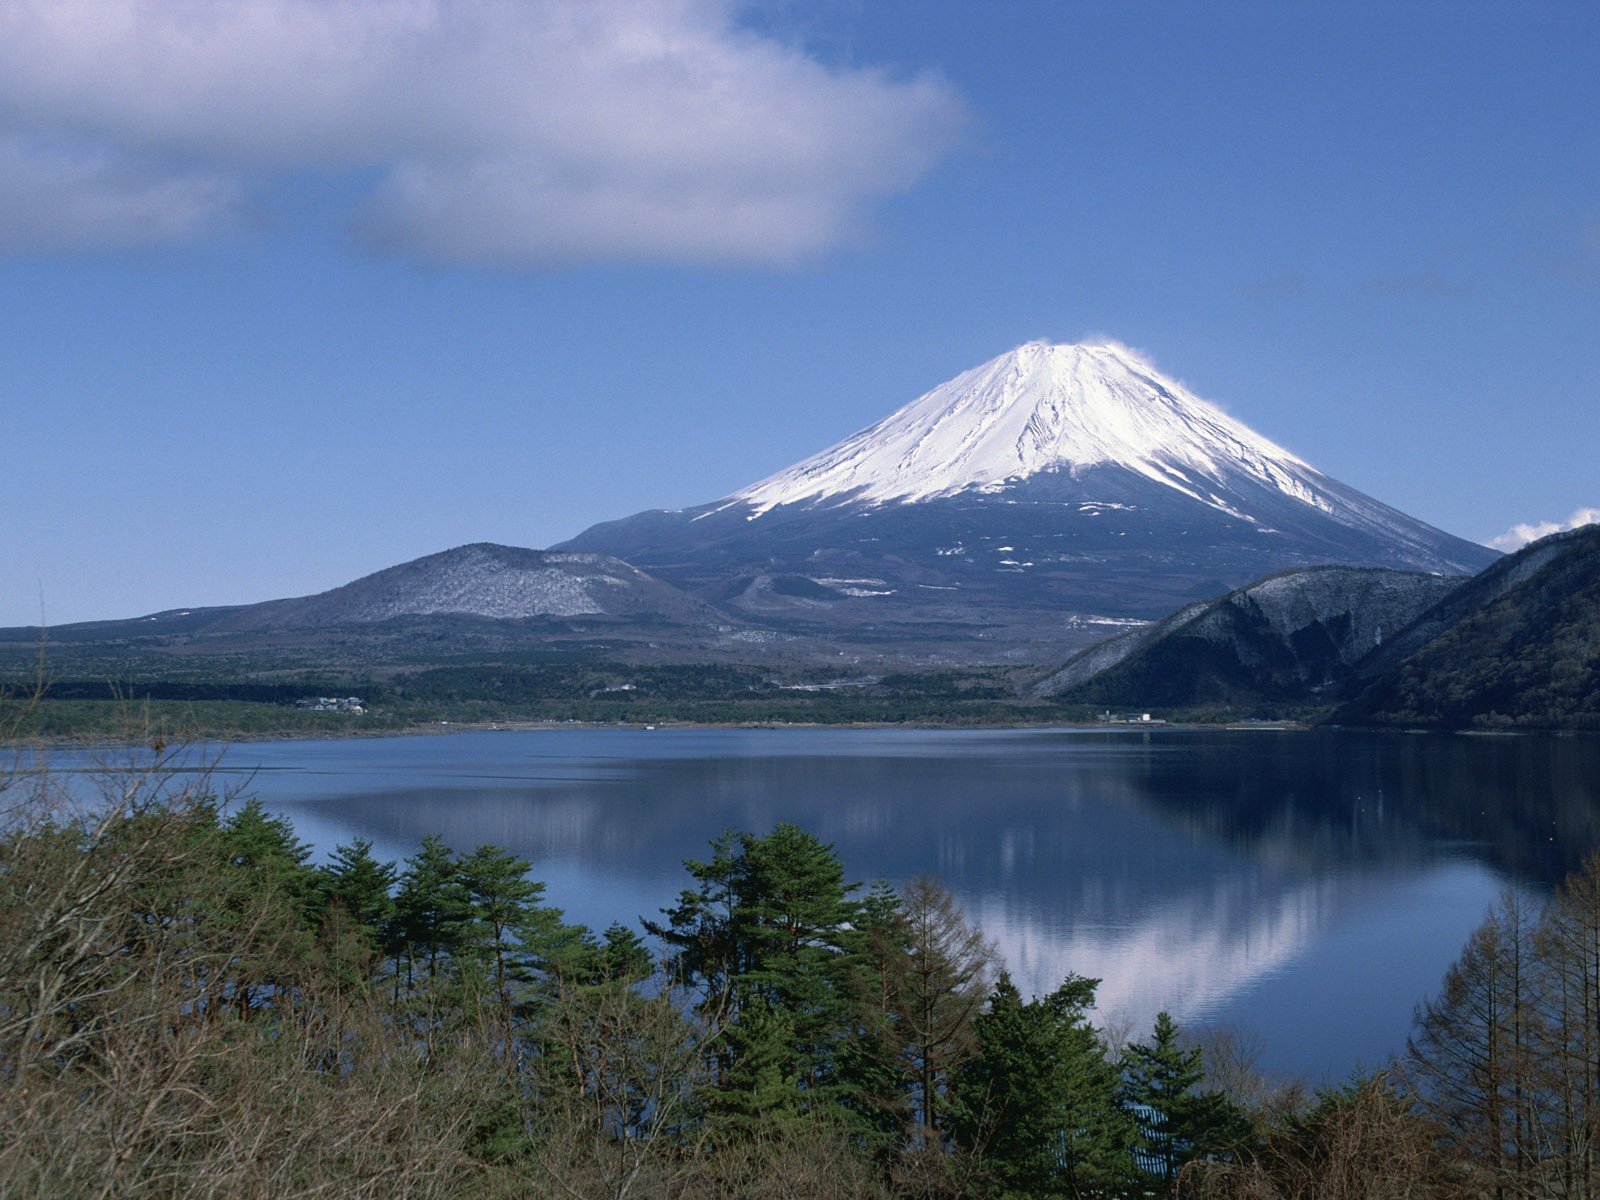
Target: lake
{"type": "Point", "coordinates": [1308, 888]}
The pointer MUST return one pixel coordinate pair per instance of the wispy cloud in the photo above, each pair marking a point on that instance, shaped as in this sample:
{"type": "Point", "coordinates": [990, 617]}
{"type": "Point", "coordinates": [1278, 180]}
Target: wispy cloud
{"type": "Point", "coordinates": [1520, 535]}
{"type": "Point", "coordinates": [58, 198]}
{"type": "Point", "coordinates": [1275, 289]}
{"type": "Point", "coordinates": [1427, 283]}
{"type": "Point", "coordinates": [499, 132]}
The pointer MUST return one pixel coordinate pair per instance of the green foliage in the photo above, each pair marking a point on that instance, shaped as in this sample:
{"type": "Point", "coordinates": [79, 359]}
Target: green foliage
{"type": "Point", "coordinates": [363, 887]}
{"type": "Point", "coordinates": [187, 1008]}
{"type": "Point", "coordinates": [501, 907]}
{"type": "Point", "coordinates": [938, 978]}
{"type": "Point", "coordinates": [432, 909]}
{"type": "Point", "coordinates": [266, 847]}
{"type": "Point", "coordinates": [760, 1088]}
{"type": "Point", "coordinates": [771, 932]}
{"type": "Point", "coordinates": [1038, 1099]}
{"type": "Point", "coordinates": [173, 721]}
{"type": "Point", "coordinates": [1173, 1121]}
{"type": "Point", "coordinates": [622, 955]}
{"type": "Point", "coordinates": [240, 695]}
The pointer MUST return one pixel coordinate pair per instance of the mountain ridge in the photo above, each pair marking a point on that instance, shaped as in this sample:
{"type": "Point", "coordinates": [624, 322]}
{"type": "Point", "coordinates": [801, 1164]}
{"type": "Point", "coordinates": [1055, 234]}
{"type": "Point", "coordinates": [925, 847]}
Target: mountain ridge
{"type": "Point", "coordinates": [476, 581]}
{"type": "Point", "coordinates": [1517, 647]}
{"type": "Point", "coordinates": [1286, 636]}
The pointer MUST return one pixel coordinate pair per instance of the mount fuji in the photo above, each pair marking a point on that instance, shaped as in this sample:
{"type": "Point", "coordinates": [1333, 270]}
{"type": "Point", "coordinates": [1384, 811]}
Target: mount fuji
{"type": "Point", "coordinates": [1040, 500]}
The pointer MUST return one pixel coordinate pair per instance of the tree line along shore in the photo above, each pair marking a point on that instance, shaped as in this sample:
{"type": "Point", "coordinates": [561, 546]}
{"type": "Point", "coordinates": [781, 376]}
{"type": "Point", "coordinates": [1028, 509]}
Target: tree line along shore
{"type": "Point", "coordinates": [190, 1007]}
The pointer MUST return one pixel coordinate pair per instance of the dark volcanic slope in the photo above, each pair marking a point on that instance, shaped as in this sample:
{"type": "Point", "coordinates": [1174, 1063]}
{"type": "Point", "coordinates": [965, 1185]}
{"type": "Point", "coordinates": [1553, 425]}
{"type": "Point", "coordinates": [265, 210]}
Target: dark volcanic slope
{"type": "Point", "coordinates": [1053, 481]}
{"type": "Point", "coordinates": [1279, 638]}
{"type": "Point", "coordinates": [1519, 646]}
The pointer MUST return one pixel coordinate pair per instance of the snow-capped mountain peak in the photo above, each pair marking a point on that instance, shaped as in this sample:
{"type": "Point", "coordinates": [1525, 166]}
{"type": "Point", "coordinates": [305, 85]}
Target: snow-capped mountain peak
{"type": "Point", "coordinates": [1050, 481]}
{"type": "Point", "coordinates": [1041, 408]}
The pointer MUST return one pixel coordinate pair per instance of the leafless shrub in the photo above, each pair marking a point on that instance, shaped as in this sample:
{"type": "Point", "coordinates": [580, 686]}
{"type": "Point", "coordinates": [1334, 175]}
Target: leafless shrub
{"type": "Point", "coordinates": [1364, 1142]}
{"type": "Point", "coordinates": [609, 1100]}
{"type": "Point", "coordinates": [161, 1035]}
{"type": "Point", "coordinates": [1231, 1057]}
{"type": "Point", "coordinates": [807, 1160]}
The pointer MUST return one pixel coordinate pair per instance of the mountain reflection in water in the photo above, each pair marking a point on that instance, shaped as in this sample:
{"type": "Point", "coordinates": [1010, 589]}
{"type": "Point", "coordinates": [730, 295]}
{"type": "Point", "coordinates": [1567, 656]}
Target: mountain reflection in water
{"type": "Point", "coordinates": [1310, 887]}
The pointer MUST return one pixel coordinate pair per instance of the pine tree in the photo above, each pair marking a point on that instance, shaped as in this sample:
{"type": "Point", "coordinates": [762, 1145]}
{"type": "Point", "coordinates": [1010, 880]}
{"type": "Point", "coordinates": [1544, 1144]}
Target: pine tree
{"type": "Point", "coordinates": [565, 955]}
{"type": "Point", "coordinates": [772, 921]}
{"type": "Point", "coordinates": [501, 901]}
{"type": "Point", "coordinates": [363, 887]}
{"type": "Point", "coordinates": [1037, 1100]}
{"type": "Point", "coordinates": [266, 849]}
{"type": "Point", "coordinates": [265, 876]}
{"type": "Point", "coordinates": [1173, 1122]}
{"type": "Point", "coordinates": [872, 1068]}
{"type": "Point", "coordinates": [431, 907]}
{"type": "Point", "coordinates": [622, 955]}
{"type": "Point", "coordinates": [759, 1091]}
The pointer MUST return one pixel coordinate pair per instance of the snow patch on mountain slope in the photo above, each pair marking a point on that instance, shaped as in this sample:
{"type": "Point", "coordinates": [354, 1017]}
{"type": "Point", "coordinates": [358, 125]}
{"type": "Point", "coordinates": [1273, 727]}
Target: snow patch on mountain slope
{"type": "Point", "coordinates": [1042, 408]}
{"type": "Point", "coordinates": [496, 593]}
{"type": "Point", "coordinates": [483, 580]}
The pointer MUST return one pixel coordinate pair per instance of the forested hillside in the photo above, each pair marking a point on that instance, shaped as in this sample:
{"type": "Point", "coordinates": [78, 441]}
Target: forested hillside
{"type": "Point", "coordinates": [1527, 658]}
{"type": "Point", "coordinates": [1283, 638]}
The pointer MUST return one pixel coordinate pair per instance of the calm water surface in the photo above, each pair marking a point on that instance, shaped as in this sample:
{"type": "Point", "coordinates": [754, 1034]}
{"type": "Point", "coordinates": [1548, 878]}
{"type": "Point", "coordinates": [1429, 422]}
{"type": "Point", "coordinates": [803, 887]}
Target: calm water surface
{"type": "Point", "coordinates": [1307, 887]}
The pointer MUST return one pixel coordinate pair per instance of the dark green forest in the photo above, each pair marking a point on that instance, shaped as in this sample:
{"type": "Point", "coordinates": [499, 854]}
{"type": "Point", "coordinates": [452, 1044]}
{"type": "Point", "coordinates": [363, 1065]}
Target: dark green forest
{"type": "Point", "coordinates": [1528, 660]}
{"type": "Point", "coordinates": [227, 700]}
{"type": "Point", "coordinates": [189, 1006]}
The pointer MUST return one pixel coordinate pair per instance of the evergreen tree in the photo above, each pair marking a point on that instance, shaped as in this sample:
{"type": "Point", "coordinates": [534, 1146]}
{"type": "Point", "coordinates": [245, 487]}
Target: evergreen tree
{"type": "Point", "coordinates": [1037, 1100]}
{"type": "Point", "coordinates": [269, 854]}
{"type": "Point", "coordinates": [773, 923]}
{"type": "Point", "coordinates": [1172, 1121]}
{"type": "Point", "coordinates": [566, 955]}
{"type": "Point", "coordinates": [363, 887]}
{"type": "Point", "coordinates": [622, 955]}
{"type": "Point", "coordinates": [759, 1092]}
{"type": "Point", "coordinates": [872, 1067]}
{"type": "Point", "coordinates": [431, 907]}
{"type": "Point", "coordinates": [701, 929]}
{"type": "Point", "coordinates": [265, 876]}
{"type": "Point", "coordinates": [501, 904]}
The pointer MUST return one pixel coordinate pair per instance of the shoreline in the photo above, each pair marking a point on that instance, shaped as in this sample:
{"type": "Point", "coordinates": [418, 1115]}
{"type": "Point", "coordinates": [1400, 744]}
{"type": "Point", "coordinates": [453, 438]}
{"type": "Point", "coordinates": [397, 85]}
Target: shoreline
{"type": "Point", "coordinates": [445, 729]}
{"type": "Point", "coordinates": [17, 746]}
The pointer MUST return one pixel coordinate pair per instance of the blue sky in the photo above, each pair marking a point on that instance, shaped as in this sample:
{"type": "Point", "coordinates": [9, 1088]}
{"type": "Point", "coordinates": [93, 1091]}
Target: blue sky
{"type": "Point", "coordinates": [299, 289]}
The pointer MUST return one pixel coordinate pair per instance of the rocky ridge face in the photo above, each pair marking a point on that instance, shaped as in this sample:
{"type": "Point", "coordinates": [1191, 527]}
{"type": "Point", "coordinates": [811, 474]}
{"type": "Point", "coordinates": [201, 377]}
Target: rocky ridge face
{"type": "Point", "coordinates": [1518, 647]}
{"type": "Point", "coordinates": [1285, 637]}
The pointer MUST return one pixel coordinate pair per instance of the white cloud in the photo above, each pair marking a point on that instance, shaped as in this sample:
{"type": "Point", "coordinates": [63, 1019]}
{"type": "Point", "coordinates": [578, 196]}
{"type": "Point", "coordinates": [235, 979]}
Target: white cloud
{"type": "Point", "coordinates": [1520, 535]}
{"type": "Point", "coordinates": [56, 198]}
{"type": "Point", "coordinates": [503, 132]}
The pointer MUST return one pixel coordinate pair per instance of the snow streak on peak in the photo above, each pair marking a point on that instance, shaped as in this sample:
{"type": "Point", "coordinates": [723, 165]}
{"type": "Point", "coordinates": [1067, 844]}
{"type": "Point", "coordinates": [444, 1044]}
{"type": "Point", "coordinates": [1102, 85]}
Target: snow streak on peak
{"type": "Point", "coordinates": [1040, 408]}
